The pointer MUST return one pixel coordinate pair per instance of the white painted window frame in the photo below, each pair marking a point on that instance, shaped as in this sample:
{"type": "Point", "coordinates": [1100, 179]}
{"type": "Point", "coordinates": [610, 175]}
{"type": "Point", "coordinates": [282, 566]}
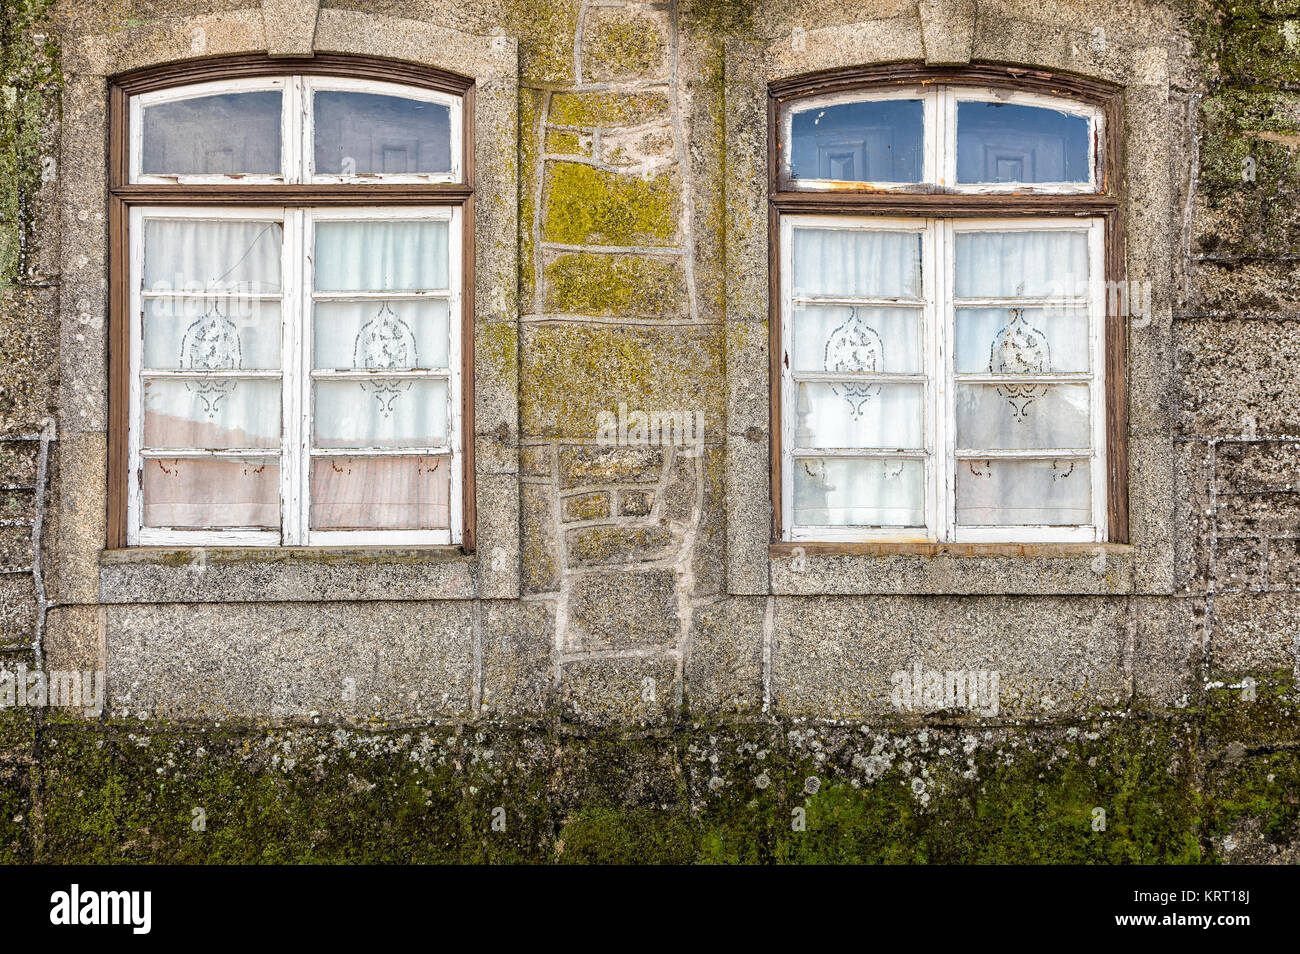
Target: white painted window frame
{"type": "Point", "coordinates": [939, 166]}
{"type": "Point", "coordinates": [296, 130]}
{"type": "Point", "coordinates": [939, 426]}
{"type": "Point", "coordinates": [452, 374]}
{"type": "Point", "coordinates": [295, 375]}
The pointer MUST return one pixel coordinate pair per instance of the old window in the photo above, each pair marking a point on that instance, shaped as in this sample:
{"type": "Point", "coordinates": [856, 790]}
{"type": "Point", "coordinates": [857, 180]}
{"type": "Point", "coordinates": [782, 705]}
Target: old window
{"type": "Point", "coordinates": [290, 367]}
{"type": "Point", "coordinates": [940, 328]}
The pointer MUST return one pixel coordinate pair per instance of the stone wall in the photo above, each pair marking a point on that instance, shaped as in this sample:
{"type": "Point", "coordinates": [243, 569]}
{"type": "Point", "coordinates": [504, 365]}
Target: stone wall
{"type": "Point", "coordinates": [622, 244]}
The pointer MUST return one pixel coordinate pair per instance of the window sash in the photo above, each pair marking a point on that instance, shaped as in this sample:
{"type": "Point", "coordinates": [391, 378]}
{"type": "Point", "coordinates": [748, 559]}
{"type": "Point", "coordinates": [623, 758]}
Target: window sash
{"type": "Point", "coordinates": [296, 130]}
{"type": "Point", "coordinates": [938, 343]}
{"type": "Point", "coordinates": [296, 377]}
{"type": "Point", "coordinates": [940, 139]}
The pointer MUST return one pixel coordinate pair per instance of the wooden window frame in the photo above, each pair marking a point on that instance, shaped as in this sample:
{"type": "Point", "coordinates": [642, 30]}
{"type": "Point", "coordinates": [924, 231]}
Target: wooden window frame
{"type": "Point", "coordinates": [123, 195]}
{"type": "Point", "coordinates": [931, 202]}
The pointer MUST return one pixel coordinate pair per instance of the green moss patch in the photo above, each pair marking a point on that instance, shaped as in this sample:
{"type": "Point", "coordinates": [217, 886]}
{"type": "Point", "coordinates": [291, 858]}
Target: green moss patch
{"type": "Point", "coordinates": [570, 373]}
{"type": "Point", "coordinates": [628, 286]}
{"type": "Point", "coordinates": [586, 205]}
{"type": "Point", "coordinates": [608, 109]}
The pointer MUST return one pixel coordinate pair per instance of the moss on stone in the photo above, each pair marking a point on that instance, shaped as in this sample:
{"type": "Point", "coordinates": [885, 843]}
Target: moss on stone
{"type": "Point", "coordinates": [566, 142]}
{"type": "Point", "coordinates": [1258, 47]}
{"type": "Point", "coordinates": [620, 44]}
{"type": "Point", "coordinates": [546, 32]}
{"type": "Point", "coordinates": [718, 17]}
{"type": "Point", "coordinates": [29, 98]}
{"type": "Point", "coordinates": [767, 792]}
{"type": "Point", "coordinates": [594, 506]}
{"type": "Point", "coordinates": [608, 109]}
{"type": "Point", "coordinates": [530, 110]}
{"type": "Point", "coordinates": [570, 373]}
{"type": "Point", "coordinates": [629, 286]}
{"type": "Point", "coordinates": [586, 205]}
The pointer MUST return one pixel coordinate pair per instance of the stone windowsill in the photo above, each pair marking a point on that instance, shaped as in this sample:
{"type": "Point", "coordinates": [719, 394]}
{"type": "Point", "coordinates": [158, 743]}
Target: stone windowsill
{"type": "Point", "coordinates": [285, 574]}
{"type": "Point", "coordinates": [828, 569]}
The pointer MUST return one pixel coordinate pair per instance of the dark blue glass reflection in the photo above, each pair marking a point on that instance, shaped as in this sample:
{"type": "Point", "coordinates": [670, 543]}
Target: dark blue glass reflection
{"type": "Point", "coordinates": [368, 133]}
{"type": "Point", "coordinates": [859, 142]}
{"type": "Point", "coordinates": [1006, 142]}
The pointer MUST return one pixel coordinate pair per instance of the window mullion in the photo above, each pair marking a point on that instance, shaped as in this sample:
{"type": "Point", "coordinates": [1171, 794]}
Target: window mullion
{"type": "Point", "coordinates": [306, 312]}
{"type": "Point", "coordinates": [944, 314]}
{"type": "Point", "coordinates": [932, 163]}
{"type": "Point", "coordinates": [1099, 307]}
{"type": "Point", "coordinates": [135, 318]}
{"type": "Point", "coordinates": [789, 399]}
{"type": "Point", "coordinates": [931, 344]}
{"type": "Point", "coordinates": [455, 438]}
{"type": "Point", "coordinates": [291, 413]}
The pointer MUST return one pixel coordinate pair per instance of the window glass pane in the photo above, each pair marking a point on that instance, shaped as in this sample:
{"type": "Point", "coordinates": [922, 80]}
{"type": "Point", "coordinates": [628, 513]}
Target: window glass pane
{"type": "Point", "coordinates": [211, 413]}
{"type": "Point", "coordinates": [380, 334]}
{"type": "Point", "coordinates": [211, 333]}
{"type": "Point", "coordinates": [367, 133]}
{"type": "Point", "coordinates": [384, 412]}
{"type": "Point", "coordinates": [211, 492]}
{"type": "Point", "coordinates": [214, 256]}
{"type": "Point", "coordinates": [1024, 493]}
{"type": "Point", "coordinates": [859, 414]}
{"type": "Point", "coordinates": [1022, 340]}
{"type": "Point", "coordinates": [1023, 416]}
{"type": "Point", "coordinates": [1007, 142]}
{"type": "Point", "coordinates": [858, 338]}
{"type": "Point", "coordinates": [856, 492]}
{"type": "Point", "coordinates": [227, 134]}
{"type": "Point", "coordinates": [856, 263]}
{"type": "Point", "coordinates": [859, 142]}
{"type": "Point", "coordinates": [381, 256]}
{"type": "Point", "coordinates": [384, 493]}
{"type": "Point", "coordinates": [1027, 264]}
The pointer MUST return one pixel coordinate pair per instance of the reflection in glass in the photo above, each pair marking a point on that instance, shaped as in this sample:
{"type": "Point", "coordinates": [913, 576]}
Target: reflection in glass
{"type": "Point", "coordinates": [1007, 142]}
{"type": "Point", "coordinates": [227, 134]}
{"type": "Point", "coordinates": [368, 133]}
{"type": "Point", "coordinates": [880, 141]}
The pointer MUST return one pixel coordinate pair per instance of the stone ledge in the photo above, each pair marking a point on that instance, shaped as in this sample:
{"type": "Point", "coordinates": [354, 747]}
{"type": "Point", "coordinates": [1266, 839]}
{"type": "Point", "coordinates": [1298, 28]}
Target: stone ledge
{"type": "Point", "coordinates": [817, 569]}
{"type": "Point", "coordinates": [285, 574]}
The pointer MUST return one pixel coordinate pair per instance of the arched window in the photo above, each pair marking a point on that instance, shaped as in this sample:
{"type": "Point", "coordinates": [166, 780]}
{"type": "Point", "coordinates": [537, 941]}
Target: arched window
{"type": "Point", "coordinates": [290, 249]}
{"type": "Point", "coordinates": [944, 366]}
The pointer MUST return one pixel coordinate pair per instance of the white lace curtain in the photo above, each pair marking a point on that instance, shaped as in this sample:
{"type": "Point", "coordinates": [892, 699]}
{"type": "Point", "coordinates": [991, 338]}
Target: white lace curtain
{"type": "Point", "coordinates": [884, 416]}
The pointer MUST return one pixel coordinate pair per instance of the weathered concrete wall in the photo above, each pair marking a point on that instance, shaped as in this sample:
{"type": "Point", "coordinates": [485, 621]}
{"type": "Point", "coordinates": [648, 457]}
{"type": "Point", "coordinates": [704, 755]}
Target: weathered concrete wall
{"type": "Point", "coordinates": [622, 245]}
